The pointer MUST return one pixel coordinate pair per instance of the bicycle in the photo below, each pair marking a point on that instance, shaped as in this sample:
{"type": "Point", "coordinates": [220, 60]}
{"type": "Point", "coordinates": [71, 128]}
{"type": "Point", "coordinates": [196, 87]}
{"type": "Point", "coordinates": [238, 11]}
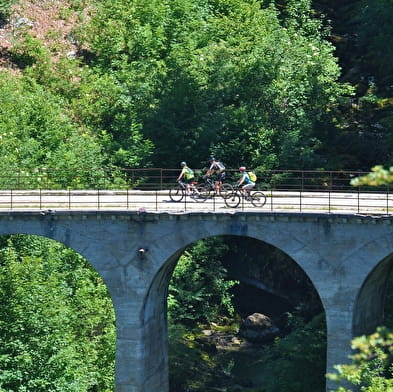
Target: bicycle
{"type": "Point", "coordinates": [177, 193]}
{"type": "Point", "coordinates": [257, 198]}
{"type": "Point", "coordinates": [208, 188]}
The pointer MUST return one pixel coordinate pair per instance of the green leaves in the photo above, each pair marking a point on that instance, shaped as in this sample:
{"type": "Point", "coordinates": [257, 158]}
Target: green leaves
{"type": "Point", "coordinates": [5, 6]}
{"type": "Point", "coordinates": [199, 290]}
{"type": "Point", "coordinates": [56, 320]}
{"type": "Point", "coordinates": [378, 176]}
{"type": "Point", "coordinates": [371, 366]}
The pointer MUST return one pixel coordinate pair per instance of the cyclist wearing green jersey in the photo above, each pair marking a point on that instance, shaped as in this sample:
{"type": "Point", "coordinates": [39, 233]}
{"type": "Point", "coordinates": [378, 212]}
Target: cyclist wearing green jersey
{"type": "Point", "coordinates": [187, 176]}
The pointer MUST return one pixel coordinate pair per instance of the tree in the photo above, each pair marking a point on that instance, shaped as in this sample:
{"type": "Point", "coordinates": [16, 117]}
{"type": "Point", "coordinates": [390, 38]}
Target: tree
{"type": "Point", "coordinates": [199, 290]}
{"type": "Point", "coordinates": [5, 6]}
{"type": "Point", "coordinates": [378, 176]}
{"type": "Point", "coordinates": [56, 320]}
{"type": "Point", "coordinates": [36, 132]}
{"type": "Point", "coordinates": [371, 368]}
{"type": "Point", "coordinates": [223, 77]}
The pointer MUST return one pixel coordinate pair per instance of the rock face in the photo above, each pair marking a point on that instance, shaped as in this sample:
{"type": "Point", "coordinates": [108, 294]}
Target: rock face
{"type": "Point", "coordinates": [258, 328]}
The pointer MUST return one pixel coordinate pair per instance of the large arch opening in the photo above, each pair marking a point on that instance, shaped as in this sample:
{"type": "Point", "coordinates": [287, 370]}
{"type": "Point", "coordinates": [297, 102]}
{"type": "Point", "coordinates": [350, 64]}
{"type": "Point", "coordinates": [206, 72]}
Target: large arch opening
{"type": "Point", "coordinates": [238, 350]}
{"type": "Point", "coordinates": [370, 303]}
{"type": "Point", "coordinates": [57, 322]}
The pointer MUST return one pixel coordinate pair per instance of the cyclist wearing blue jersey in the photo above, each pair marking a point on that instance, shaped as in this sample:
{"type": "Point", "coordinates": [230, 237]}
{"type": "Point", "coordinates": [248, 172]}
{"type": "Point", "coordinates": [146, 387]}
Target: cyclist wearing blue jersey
{"type": "Point", "coordinates": [246, 180]}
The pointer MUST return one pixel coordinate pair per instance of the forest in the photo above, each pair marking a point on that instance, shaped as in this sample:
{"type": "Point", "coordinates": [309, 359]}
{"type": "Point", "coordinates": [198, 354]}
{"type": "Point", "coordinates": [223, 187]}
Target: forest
{"type": "Point", "coordinates": [112, 84]}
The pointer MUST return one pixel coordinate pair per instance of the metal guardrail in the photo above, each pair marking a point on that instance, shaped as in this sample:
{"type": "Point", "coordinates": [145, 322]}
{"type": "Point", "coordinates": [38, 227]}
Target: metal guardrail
{"type": "Point", "coordinates": [148, 190]}
{"type": "Point", "coordinates": [159, 179]}
{"type": "Point", "coordinates": [159, 201]}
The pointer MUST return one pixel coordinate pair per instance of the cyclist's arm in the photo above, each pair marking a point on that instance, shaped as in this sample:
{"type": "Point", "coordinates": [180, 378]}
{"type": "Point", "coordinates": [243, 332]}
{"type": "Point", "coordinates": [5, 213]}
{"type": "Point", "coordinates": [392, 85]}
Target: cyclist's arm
{"type": "Point", "coordinates": [209, 172]}
{"type": "Point", "coordinates": [181, 175]}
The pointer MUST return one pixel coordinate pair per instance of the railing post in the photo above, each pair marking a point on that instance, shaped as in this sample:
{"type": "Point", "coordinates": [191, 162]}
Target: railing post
{"type": "Point", "coordinates": [300, 201]}
{"type": "Point", "coordinates": [40, 199]}
{"type": "Point", "coordinates": [69, 198]}
{"type": "Point", "coordinates": [329, 202]}
{"type": "Point", "coordinates": [127, 204]}
{"type": "Point", "coordinates": [98, 198]}
{"type": "Point", "coordinates": [11, 201]}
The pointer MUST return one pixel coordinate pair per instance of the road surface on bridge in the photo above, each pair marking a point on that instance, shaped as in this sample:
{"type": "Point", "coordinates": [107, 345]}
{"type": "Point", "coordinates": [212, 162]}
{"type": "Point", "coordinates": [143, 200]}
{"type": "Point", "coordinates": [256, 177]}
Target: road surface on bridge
{"type": "Point", "coordinates": [159, 201]}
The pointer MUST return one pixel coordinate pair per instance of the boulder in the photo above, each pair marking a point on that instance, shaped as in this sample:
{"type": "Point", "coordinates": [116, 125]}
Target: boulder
{"type": "Point", "coordinates": [258, 328]}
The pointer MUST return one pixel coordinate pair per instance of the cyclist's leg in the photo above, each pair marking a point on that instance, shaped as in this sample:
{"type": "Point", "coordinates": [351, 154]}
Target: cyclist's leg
{"type": "Point", "coordinates": [188, 185]}
{"type": "Point", "coordinates": [193, 187]}
{"type": "Point", "coordinates": [220, 179]}
{"type": "Point", "coordinates": [247, 190]}
{"type": "Point", "coordinates": [217, 184]}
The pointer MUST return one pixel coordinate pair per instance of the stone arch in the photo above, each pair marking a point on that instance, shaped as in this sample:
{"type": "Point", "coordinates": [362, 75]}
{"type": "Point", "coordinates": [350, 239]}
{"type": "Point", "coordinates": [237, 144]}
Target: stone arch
{"type": "Point", "coordinates": [155, 306]}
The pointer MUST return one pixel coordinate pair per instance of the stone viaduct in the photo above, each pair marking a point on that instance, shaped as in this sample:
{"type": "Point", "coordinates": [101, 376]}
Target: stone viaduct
{"type": "Point", "coordinates": [347, 258]}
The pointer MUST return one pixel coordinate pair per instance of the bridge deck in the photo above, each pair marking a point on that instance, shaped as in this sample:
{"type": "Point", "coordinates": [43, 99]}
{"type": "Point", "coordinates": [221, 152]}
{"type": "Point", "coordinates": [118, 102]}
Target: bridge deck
{"type": "Point", "coordinates": [159, 201]}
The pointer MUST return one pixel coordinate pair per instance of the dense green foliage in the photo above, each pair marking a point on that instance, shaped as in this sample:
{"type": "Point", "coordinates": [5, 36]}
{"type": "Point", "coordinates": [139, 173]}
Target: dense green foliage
{"type": "Point", "coordinates": [37, 133]}
{"type": "Point", "coordinates": [225, 77]}
{"type": "Point", "coordinates": [56, 320]}
{"type": "Point", "coordinates": [205, 295]}
{"type": "Point", "coordinates": [371, 368]}
{"type": "Point", "coordinates": [5, 6]}
{"type": "Point", "coordinates": [361, 30]}
{"type": "Point", "coordinates": [157, 82]}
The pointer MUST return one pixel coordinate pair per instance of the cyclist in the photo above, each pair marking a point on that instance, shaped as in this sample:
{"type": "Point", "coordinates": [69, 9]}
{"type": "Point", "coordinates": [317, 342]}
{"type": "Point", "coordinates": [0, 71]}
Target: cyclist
{"type": "Point", "coordinates": [187, 176]}
{"type": "Point", "coordinates": [246, 180]}
{"type": "Point", "coordinates": [216, 169]}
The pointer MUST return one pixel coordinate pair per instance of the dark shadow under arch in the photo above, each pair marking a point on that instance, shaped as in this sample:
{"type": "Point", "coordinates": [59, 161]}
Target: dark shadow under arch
{"type": "Point", "coordinates": [369, 306]}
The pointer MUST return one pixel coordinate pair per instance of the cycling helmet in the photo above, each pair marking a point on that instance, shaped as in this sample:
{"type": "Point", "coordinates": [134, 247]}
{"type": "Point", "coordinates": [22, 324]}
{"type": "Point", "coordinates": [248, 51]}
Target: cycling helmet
{"type": "Point", "coordinates": [211, 159]}
{"type": "Point", "coordinates": [242, 169]}
{"type": "Point", "coordinates": [183, 164]}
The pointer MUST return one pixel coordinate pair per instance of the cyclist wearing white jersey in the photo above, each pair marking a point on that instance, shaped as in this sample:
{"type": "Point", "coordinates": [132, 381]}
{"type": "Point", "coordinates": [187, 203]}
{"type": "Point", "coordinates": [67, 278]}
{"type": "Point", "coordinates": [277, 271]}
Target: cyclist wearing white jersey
{"type": "Point", "coordinates": [217, 171]}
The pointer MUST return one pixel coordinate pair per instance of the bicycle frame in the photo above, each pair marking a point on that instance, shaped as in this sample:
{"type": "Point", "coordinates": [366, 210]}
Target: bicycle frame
{"type": "Point", "coordinates": [224, 187]}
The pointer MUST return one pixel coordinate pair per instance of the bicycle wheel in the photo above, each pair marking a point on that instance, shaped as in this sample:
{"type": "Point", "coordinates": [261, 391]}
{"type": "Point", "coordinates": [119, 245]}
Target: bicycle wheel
{"type": "Point", "coordinates": [176, 194]}
{"type": "Point", "coordinates": [225, 189]}
{"type": "Point", "coordinates": [258, 199]}
{"type": "Point", "coordinates": [232, 200]}
{"type": "Point", "coordinates": [204, 192]}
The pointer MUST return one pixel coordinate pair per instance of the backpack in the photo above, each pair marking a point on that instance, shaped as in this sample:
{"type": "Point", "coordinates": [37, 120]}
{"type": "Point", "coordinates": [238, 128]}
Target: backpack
{"type": "Point", "coordinates": [252, 176]}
